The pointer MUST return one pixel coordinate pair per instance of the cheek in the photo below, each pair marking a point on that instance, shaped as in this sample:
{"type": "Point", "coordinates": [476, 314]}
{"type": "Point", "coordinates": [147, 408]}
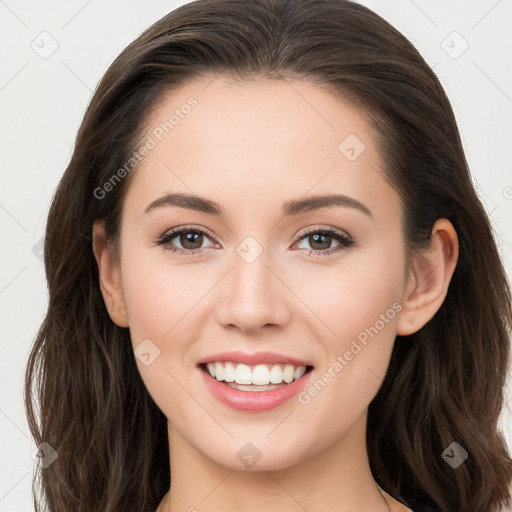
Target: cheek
{"type": "Point", "coordinates": [356, 360]}
{"type": "Point", "coordinates": [355, 296]}
{"type": "Point", "coordinates": [359, 309]}
{"type": "Point", "coordinates": [161, 299]}
{"type": "Point", "coordinates": [162, 303]}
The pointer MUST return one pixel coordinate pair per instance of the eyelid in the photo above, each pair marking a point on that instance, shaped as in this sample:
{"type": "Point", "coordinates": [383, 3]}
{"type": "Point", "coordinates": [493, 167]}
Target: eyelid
{"type": "Point", "coordinates": [307, 230]}
{"type": "Point", "coordinates": [189, 227]}
{"type": "Point", "coordinates": [314, 229]}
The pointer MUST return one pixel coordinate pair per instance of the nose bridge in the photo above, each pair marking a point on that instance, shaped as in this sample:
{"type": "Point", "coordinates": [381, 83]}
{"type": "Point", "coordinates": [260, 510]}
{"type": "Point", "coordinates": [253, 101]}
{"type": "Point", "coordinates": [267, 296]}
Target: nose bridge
{"type": "Point", "coordinates": [251, 266]}
{"type": "Point", "coordinates": [255, 296]}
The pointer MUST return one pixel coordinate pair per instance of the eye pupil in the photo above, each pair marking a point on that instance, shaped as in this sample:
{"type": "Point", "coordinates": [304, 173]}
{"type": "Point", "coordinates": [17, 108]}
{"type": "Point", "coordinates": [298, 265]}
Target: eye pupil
{"type": "Point", "coordinates": [317, 236]}
{"type": "Point", "coordinates": [188, 237]}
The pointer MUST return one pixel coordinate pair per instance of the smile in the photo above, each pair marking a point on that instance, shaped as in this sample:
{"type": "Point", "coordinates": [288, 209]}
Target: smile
{"type": "Point", "coordinates": [254, 377]}
{"type": "Point", "coordinates": [254, 387]}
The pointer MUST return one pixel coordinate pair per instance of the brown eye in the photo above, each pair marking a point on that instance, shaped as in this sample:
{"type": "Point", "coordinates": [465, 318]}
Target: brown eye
{"type": "Point", "coordinates": [191, 240]}
{"type": "Point", "coordinates": [320, 241]}
{"type": "Point", "coordinates": [184, 241]}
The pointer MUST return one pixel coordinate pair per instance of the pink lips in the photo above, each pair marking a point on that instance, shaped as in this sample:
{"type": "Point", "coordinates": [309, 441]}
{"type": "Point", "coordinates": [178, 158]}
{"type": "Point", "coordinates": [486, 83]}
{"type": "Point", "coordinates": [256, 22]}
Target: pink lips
{"type": "Point", "coordinates": [253, 400]}
{"type": "Point", "coordinates": [252, 359]}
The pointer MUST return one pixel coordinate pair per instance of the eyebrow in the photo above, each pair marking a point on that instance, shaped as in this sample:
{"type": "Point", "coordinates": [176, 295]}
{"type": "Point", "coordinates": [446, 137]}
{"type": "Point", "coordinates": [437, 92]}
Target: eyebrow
{"type": "Point", "coordinates": [290, 208]}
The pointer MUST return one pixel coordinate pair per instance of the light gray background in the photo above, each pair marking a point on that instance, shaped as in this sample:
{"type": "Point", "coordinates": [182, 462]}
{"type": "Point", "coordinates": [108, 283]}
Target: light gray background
{"type": "Point", "coordinates": [43, 101]}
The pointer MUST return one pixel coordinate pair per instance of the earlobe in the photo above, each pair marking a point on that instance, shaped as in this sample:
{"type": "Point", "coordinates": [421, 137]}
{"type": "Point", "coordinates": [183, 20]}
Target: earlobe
{"type": "Point", "coordinates": [429, 280]}
{"type": "Point", "coordinates": [109, 275]}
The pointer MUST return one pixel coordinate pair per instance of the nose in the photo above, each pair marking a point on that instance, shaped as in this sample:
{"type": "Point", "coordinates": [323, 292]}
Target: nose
{"type": "Point", "coordinates": [253, 295]}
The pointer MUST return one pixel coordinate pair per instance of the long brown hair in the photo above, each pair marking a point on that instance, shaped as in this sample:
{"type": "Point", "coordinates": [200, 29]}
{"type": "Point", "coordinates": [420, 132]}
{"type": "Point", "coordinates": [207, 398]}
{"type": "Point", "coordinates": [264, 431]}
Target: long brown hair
{"type": "Point", "coordinates": [444, 383]}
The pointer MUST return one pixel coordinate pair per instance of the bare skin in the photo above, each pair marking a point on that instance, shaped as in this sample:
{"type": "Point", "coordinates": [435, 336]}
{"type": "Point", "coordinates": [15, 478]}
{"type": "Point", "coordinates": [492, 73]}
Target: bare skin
{"type": "Point", "coordinates": [252, 147]}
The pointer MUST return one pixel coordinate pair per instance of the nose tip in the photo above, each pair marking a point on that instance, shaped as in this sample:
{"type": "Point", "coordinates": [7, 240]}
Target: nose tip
{"type": "Point", "coordinates": [252, 298]}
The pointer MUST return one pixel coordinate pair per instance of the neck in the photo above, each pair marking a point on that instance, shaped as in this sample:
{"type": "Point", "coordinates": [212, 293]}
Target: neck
{"type": "Point", "coordinates": [337, 478]}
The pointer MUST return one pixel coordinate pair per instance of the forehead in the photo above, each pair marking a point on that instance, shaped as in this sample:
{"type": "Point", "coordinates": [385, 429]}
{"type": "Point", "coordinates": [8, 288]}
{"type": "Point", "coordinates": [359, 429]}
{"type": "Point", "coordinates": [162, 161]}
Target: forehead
{"type": "Point", "coordinates": [248, 144]}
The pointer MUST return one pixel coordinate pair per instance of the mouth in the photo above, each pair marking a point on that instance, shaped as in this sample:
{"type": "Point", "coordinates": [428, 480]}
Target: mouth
{"type": "Point", "coordinates": [259, 387]}
{"type": "Point", "coordinates": [261, 377]}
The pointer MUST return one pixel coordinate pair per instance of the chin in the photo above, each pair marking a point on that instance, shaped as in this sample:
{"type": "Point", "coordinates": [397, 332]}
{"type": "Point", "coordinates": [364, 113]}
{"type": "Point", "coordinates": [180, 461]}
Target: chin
{"type": "Point", "coordinates": [258, 454]}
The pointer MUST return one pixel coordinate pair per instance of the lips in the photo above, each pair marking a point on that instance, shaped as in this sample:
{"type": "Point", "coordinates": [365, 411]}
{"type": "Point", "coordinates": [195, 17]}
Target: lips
{"type": "Point", "coordinates": [252, 400]}
{"type": "Point", "coordinates": [254, 359]}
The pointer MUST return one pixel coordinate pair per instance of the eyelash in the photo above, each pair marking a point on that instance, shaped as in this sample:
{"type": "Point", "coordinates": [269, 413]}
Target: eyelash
{"type": "Point", "coordinates": [345, 241]}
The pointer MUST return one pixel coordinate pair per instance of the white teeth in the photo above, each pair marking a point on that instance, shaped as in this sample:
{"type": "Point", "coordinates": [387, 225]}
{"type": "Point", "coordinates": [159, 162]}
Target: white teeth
{"type": "Point", "coordinates": [299, 372]}
{"type": "Point", "coordinates": [276, 374]}
{"type": "Point", "coordinates": [243, 387]}
{"type": "Point", "coordinates": [260, 375]}
{"type": "Point", "coordinates": [288, 373]}
{"type": "Point", "coordinates": [229, 372]}
{"type": "Point", "coordinates": [243, 374]}
{"type": "Point", "coordinates": [219, 371]}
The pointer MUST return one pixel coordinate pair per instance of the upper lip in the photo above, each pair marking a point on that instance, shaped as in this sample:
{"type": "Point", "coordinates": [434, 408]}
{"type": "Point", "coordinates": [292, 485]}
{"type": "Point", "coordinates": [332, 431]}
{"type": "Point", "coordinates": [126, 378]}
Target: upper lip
{"type": "Point", "coordinates": [253, 359]}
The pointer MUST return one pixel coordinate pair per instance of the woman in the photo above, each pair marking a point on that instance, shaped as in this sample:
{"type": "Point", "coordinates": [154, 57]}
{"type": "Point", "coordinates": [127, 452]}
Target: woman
{"type": "Point", "coordinates": [271, 281]}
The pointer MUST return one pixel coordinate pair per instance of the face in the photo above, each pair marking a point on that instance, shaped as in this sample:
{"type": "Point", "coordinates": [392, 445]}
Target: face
{"type": "Point", "coordinates": [321, 283]}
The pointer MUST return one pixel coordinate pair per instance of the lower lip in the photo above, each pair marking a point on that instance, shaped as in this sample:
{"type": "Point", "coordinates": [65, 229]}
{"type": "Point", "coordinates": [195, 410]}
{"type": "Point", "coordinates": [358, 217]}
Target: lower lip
{"type": "Point", "coordinates": [253, 400]}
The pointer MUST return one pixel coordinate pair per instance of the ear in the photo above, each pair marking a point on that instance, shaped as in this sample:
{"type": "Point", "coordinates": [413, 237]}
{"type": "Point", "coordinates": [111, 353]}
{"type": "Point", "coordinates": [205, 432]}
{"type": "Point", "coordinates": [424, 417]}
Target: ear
{"type": "Point", "coordinates": [430, 276]}
{"type": "Point", "coordinates": [109, 274]}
